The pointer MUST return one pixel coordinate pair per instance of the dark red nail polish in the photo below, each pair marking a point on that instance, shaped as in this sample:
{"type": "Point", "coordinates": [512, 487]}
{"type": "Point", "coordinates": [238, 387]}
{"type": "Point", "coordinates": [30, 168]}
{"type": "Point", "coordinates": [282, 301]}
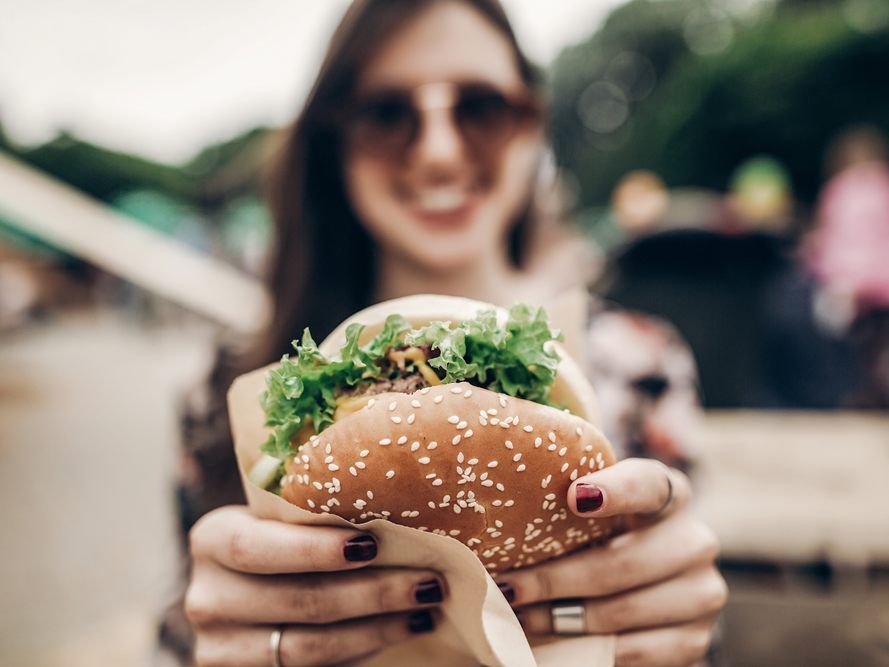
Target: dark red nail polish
{"type": "Point", "coordinates": [428, 592]}
{"type": "Point", "coordinates": [589, 497]}
{"type": "Point", "coordinates": [508, 591]}
{"type": "Point", "coordinates": [361, 548]}
{"type": "Point", "coordinates": [420, 621]}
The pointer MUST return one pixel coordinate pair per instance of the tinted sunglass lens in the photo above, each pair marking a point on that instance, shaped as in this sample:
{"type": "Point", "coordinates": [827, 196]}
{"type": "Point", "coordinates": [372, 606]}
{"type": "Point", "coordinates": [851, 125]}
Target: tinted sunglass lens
{"type": "Point", "coordinates": [385, 125]}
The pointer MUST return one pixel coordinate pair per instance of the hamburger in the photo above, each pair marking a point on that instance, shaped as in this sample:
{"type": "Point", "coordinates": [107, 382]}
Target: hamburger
{"type": "Point", "coordinates": [442, 414]}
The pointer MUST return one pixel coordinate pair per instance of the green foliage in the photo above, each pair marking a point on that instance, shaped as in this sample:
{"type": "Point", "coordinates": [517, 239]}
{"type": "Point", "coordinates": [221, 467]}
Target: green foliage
{"type": "Point", "coordinates": [785, 85]}
{"type": "Point", "coordinates": [515, 359]}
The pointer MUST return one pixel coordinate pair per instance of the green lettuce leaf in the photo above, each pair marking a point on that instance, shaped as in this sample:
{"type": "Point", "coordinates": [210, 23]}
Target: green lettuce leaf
{"type": "Point", "coordinates": [515, 359]}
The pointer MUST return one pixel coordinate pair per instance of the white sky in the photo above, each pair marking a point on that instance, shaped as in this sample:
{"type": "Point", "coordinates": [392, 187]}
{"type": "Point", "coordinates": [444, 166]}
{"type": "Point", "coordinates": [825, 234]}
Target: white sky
{"type": "Point", "coordinates": [163, 78]}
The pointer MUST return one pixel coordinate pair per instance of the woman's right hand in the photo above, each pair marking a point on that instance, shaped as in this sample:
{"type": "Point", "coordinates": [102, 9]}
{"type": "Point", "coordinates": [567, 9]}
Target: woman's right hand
{"type": "Point", "coordinates": [251, 576]}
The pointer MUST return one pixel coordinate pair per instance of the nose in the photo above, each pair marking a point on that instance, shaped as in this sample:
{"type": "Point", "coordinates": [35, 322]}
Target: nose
{"type": "Point", "coordinates": [439, 144]}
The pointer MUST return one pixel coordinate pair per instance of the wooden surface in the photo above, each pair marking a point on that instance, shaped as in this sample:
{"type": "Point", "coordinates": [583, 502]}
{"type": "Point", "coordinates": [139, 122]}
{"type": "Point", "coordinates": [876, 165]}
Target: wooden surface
{"type": "Point", "coordinates": [796, 486]}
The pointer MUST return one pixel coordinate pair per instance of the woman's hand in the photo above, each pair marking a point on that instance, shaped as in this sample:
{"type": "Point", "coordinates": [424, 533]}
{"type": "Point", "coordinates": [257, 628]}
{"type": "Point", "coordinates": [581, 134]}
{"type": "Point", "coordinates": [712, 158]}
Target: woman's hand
{"type": "Point", "coordinates": [251, 576]}
{"type": "Point", "coordinates": [655, 586]}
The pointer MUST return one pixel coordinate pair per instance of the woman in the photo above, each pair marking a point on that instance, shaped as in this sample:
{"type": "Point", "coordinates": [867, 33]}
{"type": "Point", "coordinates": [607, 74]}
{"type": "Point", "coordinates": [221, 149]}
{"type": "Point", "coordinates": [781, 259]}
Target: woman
{"type": "Point", "coordinates": [412, 169]}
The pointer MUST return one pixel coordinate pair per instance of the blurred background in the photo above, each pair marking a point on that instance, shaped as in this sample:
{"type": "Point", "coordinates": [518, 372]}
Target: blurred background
{"type": "Point", "coordinates": [728, 156]}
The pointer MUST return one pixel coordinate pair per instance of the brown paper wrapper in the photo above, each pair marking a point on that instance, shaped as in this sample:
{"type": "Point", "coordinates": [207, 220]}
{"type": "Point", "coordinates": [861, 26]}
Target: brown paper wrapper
{"type": "Point", "coordinates": [479, 627]}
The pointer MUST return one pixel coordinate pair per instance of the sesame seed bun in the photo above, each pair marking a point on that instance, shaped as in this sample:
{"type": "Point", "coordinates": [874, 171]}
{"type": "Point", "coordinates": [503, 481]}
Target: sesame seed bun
{"type": "Point", "coordinates": [489, 470]}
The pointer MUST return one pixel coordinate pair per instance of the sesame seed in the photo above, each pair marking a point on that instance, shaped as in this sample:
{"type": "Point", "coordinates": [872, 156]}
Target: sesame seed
{"type": "Point", "coordinates": [370, 494]}
{"type": "Point", "coordinates": [509, 503]}
{"type": "Point", "coordinates": [393, 405]}
{"type": "Point", "coordinates": [517, 457]}
{"type": "Point", "coordinates": [492, 411]}
{"type": "Point", "coordinates": [437, 482]}
{"type": "Point", "coordinates": [582, 460]}
{"type": "Point", "coordinates": [325, 508]}
{"type": "Point", "coordinates": [454, 532]}
{"type": "Point", "coordinates": [410, 418]}
{"type": "Point", "coordinates": [333, 467]}
{"type": "Point", "coordinates": [431, 505]}
{"type": "Point", "coordinates": [456, 390]}
{"type": "Point", "coordinates": [551, 436]}
{"type": "Point", "coordinates": [494, 421]}
{"type": "Point", "coordinates": [390, 474]}
{"type": "Point", "coordinates": [508, 444]}
{"type": "Point", "coordinates": [457, 509]}
{"type": "Point", "coordinates": [460, 457]}
{"type": "Point", "coordinates": [395, 419]}
{"type": "Point", "coordinates": [545, 481]}
{"type": "Point", "coordinates": [564, 467]}
{"type": "Point", "coordinates": [328, 459]}
{"type": "Point", "coordinates": [562, 451]}
{"type": "Point", "coordinates": [372, 402]}
{"type": "Point", "coordinates": [438, 399]}
{"type": "Point", "coordinates": [573, 475]}
{"type": "Point", "coordinates": [467, 393]}
{"type": "Point", "coordinates": [520, 467]}
{"type": "Point", "coordinates": [424, 391]}
{"type": "Point", "coordinates": [415, 446]}
{"type": "Point", "coordinates": [360, 465]}
{"type": "Point", "coordinates": [352, 471]}
{"type": "Point", "coordinates": [504, 424]}
{"type": "Point", "coordinates": [527, 428]}
{"type": "Point", "coordinates": [453, 419]}
{"type": "Point", "coordinates": [467, 433]}
{"type": "Point", "coordinates": [432, 445]}
{"type": "Point", "coordinates": [385, 441]}
{"type": "Point", "coordinates": [484, 475]}
{"type": "Point", "coordinates": [497, 503]}
{"type": "Point", "coordinates": [415, 403]}
{"type": "Point", "coordinates": [456, 439]}
{"type": "Point", "coordinates": [578, 432]}
{"type": "Point", "coordinates": [492, 464]}
{"type": "Point", "coordinates": [359, 504]}
{"type": "Point", "coordinates": [328, 448]}
{"type": "Point", "coordinates": [424, 460]}
{"type": "Point", "coordinates": [588, 448]}
{"type": "Point", "coordinates": [461, 425]}
{"type": "Point", "coordinates": [363, 453]}
{"type": "Point", "coordinates": [499, 486]}
{"type": "Point", "coordinates": [472, 462]}
{"type": "Point", "coordinates": [501, 400]}
{"type": "Point", "coordinates": [488, 482]}
{"type": "Point", "coordinates": [431, 475]}
{"type": "Point", "coordinates": [483, 420]}
{"type": "Point", "coordinates": [311, 503]}
{"type": "Point", "coordinates": [552, 447]}
{"type": "Point", "coordinates": [537, 442]}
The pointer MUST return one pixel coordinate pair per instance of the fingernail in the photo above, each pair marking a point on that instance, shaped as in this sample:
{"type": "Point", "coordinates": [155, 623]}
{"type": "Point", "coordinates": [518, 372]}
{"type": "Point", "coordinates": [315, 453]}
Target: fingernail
{"type": "Point", "coordinates": [420, 621]}
{"type": "Point", "coordinates": [361, 548]}
{"type": "Point", "coordinates": [507, 590]}
{"type": "Point", "coordinates": [428, 592]}
{"type": "Point", "coordinates": [589, 497]}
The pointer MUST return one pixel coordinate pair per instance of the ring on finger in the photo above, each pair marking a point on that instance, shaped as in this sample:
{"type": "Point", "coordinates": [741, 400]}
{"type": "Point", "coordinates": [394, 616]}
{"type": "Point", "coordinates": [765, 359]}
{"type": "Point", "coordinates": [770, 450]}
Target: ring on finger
{"type": "Point", "coordinates": [568, 617]}
{"type": "Point", "coordinates": [671, 496]}
{"type": "Point", "coordinates": [275, 645]}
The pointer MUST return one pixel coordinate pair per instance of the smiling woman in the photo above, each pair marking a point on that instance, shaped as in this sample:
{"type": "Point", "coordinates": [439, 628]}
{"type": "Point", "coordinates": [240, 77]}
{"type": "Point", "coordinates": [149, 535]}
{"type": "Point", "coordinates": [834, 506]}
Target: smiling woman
{"type": "Point", "coordinates": [414, 168]}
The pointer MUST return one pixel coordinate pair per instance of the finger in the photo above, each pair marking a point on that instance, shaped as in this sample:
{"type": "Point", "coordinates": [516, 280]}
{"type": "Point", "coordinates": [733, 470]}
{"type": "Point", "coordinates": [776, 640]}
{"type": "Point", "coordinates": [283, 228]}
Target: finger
{"type": "Point", "coordinates": [239, 646]}
{"type": "Point", "coordinates": [637, 558]}
{"type": "Point", "coordinates": [632, 486]}
{"type": "Point", "coordinates": [673, 646]}
{"type": "Point", "coordinates": [221, 597]}
{"type": "Point", "coordinates": [232, 537]}
{"type": "Point", "coordinates": [696, 594]}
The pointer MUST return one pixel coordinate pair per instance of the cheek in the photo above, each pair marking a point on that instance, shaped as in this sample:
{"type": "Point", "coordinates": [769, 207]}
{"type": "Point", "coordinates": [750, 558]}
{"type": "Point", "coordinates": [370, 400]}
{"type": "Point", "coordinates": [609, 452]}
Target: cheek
{"type": "Point", "coordinates": [514, 177]}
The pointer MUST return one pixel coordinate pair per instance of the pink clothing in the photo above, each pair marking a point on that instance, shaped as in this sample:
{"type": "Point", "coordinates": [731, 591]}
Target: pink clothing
{"type": "Point", "coordinates": [849, 249]}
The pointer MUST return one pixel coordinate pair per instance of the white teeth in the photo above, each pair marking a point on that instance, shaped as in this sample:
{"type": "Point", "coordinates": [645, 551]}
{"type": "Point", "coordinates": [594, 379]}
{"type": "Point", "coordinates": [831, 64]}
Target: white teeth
{"type": "Point", "coordinates": [442, 199]}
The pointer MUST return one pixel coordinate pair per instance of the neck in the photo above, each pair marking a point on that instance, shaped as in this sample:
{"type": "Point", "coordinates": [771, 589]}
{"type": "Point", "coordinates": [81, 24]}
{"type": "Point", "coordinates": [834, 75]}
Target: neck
{"type": "Point", "coordinates": [488, 279]}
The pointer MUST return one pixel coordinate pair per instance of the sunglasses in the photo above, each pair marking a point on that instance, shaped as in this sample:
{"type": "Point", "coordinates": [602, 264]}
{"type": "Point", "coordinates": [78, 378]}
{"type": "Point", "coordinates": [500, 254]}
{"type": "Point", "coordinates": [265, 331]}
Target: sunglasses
{"type": "Point", "coordinates": [388, 122]}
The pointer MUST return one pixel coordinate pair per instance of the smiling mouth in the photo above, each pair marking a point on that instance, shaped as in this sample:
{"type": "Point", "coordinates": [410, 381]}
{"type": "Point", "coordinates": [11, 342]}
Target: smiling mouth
{"type": "Point", "coordinates": [449, 205]}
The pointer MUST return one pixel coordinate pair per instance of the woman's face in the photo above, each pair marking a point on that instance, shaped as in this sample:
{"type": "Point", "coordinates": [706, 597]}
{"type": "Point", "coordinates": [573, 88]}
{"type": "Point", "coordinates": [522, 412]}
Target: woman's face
{"type": "Point", "coordinates": [442, 203]}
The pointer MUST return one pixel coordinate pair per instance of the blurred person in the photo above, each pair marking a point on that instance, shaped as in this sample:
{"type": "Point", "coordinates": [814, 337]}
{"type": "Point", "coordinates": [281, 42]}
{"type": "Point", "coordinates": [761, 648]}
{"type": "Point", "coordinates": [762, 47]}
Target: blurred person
{"type": "Point", "coordinates": [846, 253]}
{"type": "Point", "coordinates": [414, 167]}
{"type": "Point", "coordinates": [639, 202]}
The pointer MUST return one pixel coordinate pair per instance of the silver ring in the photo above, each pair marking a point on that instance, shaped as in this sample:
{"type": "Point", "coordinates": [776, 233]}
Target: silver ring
{"type": "Point", "coordinates": [569, 618]}
{"type": "Point", "coordinates": [275, 646]}
{"type": "Point", "coordinates": [671, 497]}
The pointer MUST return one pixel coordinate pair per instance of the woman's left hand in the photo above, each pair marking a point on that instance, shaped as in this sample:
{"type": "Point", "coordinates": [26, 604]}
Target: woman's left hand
{"type": "Point", "coordinates": [656, 586]}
